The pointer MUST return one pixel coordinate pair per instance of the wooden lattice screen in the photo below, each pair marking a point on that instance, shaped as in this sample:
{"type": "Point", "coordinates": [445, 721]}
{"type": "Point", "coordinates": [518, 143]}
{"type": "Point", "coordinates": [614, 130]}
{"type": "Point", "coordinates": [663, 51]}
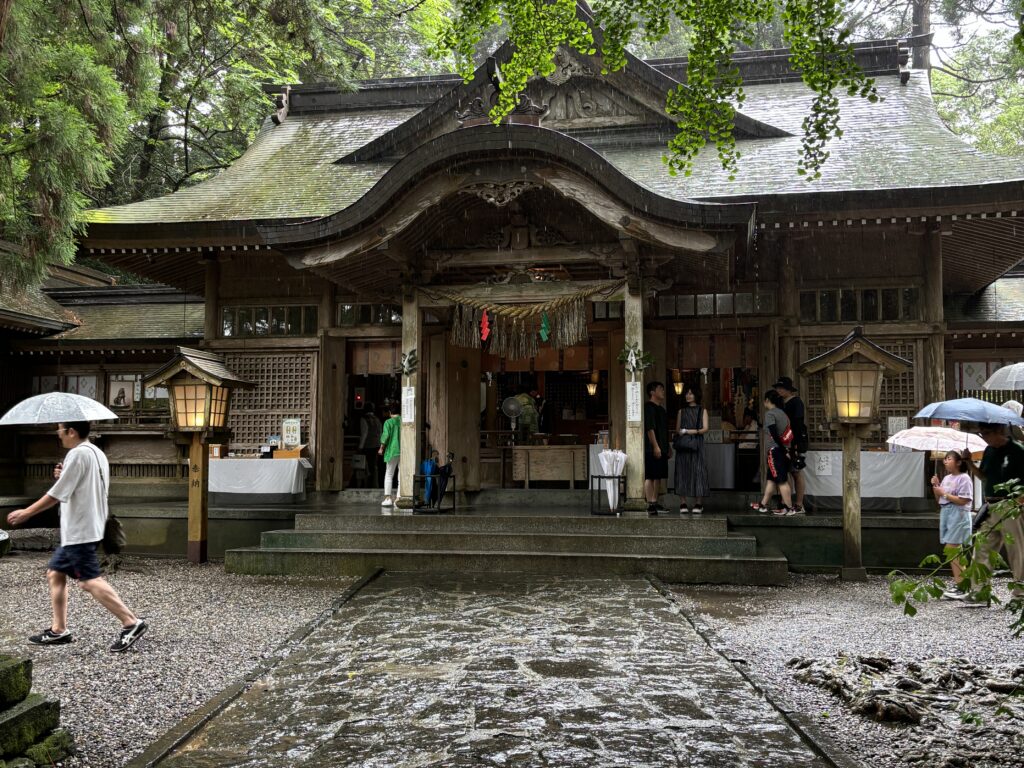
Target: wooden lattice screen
{"type": "Point", "coordinates": [900, 394]}
{"type": "Point", "coordinates": [284, 389]}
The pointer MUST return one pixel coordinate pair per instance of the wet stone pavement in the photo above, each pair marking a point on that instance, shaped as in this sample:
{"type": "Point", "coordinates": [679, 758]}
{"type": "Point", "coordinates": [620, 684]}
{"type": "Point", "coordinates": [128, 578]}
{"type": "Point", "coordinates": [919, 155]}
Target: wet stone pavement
{"type": "Point", "coordinates": [482, 670]}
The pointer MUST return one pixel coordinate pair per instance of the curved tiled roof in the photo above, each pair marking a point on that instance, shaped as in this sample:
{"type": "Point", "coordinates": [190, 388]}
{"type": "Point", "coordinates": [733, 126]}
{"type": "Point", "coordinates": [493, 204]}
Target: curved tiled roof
{"type": "Point", "coordinates": [287, 172]}
{"type": "Point", "coordinates": [290, 172]}
{"type": "Point", "coordinates": [899, 143]}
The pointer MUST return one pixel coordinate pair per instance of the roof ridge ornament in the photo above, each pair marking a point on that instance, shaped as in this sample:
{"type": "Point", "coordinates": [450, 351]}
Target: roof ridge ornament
{"type": "Point", "coordinates": [281, 103]}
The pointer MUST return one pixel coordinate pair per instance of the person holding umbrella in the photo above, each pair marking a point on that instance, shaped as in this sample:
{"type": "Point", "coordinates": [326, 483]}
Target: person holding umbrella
{"type": "Point", "coordinates": [81, 487]}
{"type": "Point", "coordinates": [955, 494]}
{"type": "Point", "coordinates": [1002, 462]}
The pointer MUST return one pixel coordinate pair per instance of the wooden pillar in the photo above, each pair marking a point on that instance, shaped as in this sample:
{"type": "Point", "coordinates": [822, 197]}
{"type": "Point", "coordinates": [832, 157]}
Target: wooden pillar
{"type": "Point", "coordinates": [464, 415]}
{"type": "Point", "coordinates": [412, 410]}
{"type": "Point", "coordinates": [789, 312]}
{"type": "Point", "coordinates": [616, 392]}
{"type": "Point", "coordinates": [634, 321]}
{"type": "Point", "coordinates": [325, 315]}
{"type": "Point", "coordinates": [211, 293]}
{"type": "Point", "coordinates": [934, 363]}
{"type": "Point", "coordinates": [332, 400]}
{"type": "Point", "coordinates": [198, 495]}
{"type": "Point", "coordinates": [853, 562]}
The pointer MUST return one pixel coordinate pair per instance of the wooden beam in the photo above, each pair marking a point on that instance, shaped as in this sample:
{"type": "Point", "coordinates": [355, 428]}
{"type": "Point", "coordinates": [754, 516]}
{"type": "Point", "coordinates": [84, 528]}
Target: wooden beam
{"type": "Point", "coordinates": [526, 293]}
{"type": "Point", "coordinates": [453, 259]}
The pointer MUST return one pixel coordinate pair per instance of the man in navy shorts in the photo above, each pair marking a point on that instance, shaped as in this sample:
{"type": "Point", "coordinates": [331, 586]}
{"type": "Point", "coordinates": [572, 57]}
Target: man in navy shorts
{"type": "Point", "coordinates": [81, 491]}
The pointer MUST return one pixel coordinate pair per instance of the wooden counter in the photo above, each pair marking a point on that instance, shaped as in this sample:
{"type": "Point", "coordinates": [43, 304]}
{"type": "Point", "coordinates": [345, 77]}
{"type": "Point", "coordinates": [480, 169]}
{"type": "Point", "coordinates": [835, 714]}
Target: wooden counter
{"type": "Point", "coordinates": [550, 463]}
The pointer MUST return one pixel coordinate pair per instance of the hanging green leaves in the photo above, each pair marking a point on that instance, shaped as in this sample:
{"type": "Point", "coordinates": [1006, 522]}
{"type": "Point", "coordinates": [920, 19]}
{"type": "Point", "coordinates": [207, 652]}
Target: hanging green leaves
{"type": "Point", "coordinates": [706, 104]}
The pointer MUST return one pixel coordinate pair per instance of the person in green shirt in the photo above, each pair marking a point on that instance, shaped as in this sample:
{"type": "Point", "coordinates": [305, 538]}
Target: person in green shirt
{"type": "Point", "coordinates": [390, 449]}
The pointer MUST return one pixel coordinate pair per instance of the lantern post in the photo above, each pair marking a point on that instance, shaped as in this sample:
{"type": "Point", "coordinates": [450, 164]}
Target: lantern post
{"type": "Point", "coordinates": [199, 386]}
{"type": "Point", "coordinates": [853, 374]}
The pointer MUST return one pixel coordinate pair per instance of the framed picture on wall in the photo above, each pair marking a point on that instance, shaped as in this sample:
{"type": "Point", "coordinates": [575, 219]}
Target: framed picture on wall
{"type": "Point", "coordinates": [121, 391]}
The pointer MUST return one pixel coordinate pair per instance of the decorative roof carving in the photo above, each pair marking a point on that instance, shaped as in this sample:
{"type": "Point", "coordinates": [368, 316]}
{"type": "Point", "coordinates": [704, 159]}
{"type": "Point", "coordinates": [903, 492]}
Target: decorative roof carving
{"type": "Point", "coordinates": [567, 67]}
{"type": "Point", "coordinates": [500, 194]}
{"type": "Point", "coordinates": [585, 103]}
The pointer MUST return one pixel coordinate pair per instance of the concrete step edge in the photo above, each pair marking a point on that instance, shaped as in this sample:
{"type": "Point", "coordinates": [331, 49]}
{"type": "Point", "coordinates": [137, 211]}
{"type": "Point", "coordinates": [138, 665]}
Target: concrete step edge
{"type": "Point", "coordinates": [728, 535]}
{"type": "Point", "coordinates": [477, 553]}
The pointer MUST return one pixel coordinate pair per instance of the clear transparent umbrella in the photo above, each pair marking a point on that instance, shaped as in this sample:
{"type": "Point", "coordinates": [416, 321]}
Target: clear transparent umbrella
{"type": "Point", "coordinates": [56, 407]}
{"type": "Point", "coordinates": [1008, 377]}
{"type": "Point", "coordinates": [612, 463]}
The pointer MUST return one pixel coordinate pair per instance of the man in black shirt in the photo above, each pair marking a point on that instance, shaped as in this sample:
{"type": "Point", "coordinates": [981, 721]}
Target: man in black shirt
{"type": "Point", "coordinates": [1002, 461]}
{"type": "Point", "coordinates": [793, 405]}
{"type": "Point", "coordinates": [655, 445]}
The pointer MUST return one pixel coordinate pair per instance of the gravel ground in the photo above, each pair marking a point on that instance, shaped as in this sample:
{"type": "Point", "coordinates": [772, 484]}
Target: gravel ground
{"type": "Point", "coordinates": [207, 629]}
{"type": "Point", "coordinates": [820, 617]}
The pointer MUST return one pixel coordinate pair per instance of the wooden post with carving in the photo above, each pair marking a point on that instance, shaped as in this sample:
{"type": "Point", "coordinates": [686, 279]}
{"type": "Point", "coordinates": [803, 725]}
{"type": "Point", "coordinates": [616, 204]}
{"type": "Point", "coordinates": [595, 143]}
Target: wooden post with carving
{"type": "Point", "coordinates": [198, 493]}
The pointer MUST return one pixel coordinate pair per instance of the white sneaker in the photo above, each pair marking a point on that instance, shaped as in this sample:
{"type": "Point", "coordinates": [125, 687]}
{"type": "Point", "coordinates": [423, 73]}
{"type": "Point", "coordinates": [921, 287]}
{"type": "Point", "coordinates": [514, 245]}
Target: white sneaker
{"type": "Point", "coordinates": [387, 502]}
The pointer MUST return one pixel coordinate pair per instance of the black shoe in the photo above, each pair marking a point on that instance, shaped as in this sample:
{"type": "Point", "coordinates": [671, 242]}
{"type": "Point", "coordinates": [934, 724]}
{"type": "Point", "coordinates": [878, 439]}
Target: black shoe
{"type": "Point", "coordinates": [128, 636]}
{"type": "Point", "coordinates": [698, 510]}
{"type": "Point", "coordinates": [652, 510]}
{"type": "Point", "coordinates": [49, 637]}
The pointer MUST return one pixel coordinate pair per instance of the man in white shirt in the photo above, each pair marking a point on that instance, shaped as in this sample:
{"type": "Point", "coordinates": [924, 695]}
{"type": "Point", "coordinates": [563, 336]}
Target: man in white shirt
{"type": "Point", "coordinates": [81, 490]}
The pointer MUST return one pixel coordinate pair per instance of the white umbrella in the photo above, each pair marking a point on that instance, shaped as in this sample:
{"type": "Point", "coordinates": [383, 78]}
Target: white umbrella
{"type": "Point", "coordinates": [937, 439]}
{"type": "Point", "coordinates": [1008, 377]}
{"type": "Point", "coordinates": [56, 407]}
{"type": "Point", "coordinates": [612, 463]}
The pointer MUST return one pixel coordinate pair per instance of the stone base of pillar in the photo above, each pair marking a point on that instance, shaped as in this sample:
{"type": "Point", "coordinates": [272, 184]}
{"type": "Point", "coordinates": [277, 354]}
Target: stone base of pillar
{"type": "Point", "coordinates": [854, 574]}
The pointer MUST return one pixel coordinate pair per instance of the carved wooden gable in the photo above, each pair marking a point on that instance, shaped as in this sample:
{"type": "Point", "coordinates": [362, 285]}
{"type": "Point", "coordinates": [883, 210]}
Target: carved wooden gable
{"type": "Point", "coordinates": [587, 102]}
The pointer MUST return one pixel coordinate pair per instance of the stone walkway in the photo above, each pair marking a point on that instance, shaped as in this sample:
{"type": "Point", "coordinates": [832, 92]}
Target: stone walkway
{"type": "Point", "coordinates": [505, 671]}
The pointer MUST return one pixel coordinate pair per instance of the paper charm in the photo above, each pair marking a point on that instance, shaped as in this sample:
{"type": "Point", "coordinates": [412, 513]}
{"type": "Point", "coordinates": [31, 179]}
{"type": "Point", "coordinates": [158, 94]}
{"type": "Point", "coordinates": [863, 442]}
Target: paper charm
{"type": "Point", "coordinates": [485, 326]}
{"type": "Point", "coordinates": [545, 327]}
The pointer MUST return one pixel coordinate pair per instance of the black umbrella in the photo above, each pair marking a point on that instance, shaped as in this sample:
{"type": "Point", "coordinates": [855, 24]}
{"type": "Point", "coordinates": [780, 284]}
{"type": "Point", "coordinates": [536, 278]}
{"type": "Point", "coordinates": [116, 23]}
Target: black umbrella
{"type": "Point", "coordinates": [444, 473]}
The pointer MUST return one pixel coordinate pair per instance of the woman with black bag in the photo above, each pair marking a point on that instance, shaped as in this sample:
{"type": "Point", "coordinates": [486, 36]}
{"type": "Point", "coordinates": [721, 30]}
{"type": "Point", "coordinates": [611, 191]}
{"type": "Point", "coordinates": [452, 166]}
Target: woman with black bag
{"type": "Point", "coordinates": [688, 443]}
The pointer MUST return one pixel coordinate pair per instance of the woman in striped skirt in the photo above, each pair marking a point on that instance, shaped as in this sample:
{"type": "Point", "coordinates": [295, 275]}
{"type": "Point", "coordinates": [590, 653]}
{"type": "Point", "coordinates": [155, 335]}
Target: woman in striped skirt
{"type": "Point", "coordinates": [691, 468]}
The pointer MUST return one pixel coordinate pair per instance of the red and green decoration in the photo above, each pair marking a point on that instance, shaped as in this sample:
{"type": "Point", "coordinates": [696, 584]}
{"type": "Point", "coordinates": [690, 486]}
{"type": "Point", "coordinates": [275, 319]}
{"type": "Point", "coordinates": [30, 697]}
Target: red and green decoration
{"type": "Point", "coordinates": [514, 331]}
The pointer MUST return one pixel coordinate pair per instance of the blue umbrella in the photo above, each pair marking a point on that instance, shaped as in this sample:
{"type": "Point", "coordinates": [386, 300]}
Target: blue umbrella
{"type": "Point", "coordinates": [969, 409]}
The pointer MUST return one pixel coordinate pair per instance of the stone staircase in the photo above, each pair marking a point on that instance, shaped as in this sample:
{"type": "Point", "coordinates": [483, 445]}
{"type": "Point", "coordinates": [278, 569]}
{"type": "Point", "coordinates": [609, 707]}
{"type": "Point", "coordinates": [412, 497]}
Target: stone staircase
{"type": "Point", "coordinates": [30, 732]}
{"type": "Point", "coordinates": [690, 550]}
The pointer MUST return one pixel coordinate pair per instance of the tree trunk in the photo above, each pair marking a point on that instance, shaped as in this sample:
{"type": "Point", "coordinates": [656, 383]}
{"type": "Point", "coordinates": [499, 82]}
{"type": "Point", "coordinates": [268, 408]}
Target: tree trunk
{"type": "Point", "coordinates": [922, 25]}
{"type": "Point", "coordinates": [6, 6]}
{"type": "Point", "coordinates": [154, 125]}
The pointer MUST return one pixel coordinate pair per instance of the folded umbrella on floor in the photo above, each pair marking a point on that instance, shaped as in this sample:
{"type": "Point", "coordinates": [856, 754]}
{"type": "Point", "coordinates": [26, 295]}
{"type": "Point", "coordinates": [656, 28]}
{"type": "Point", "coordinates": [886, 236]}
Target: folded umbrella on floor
{"type": "Point", "coordinates": [969, 409]}
{"type": "Point", "coordinates": [55, 408]}
{"type": "Point", "coordinates": [612, 463]}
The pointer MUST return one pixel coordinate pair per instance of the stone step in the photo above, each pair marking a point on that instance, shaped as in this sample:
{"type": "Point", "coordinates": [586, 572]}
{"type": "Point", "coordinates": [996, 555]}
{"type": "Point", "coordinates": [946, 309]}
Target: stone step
{"type": "Point", "coordinates": [757, 570]}
{"type": "Point", "coordinates": [15, 680]}
{"type": "Point", "coordinates": [616, 544]}
{"type": "Point", "coordinates": [25, 723]}
{"type": "Point", "coordinates": [550, 524]}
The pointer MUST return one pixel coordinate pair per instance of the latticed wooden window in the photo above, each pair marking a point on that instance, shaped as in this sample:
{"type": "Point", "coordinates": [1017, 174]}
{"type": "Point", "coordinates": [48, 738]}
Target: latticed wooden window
{"type": "Point", "coordinates": [899, 393]}
{"type": "Point", "coordinates": [284, 390]}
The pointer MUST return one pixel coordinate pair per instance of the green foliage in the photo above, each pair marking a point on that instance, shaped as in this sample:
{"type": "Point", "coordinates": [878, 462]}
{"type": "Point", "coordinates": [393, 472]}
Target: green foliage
{"type": "Point", "coordinates": [980, 95]}
{"type": "Point", "coordinates": [706, 104]}
{"type": "Point", "coordinates": [110, 101]}
{"type": "Point", "coordinates": [63, 115]}
{"type": "Point", "coordinates": [635, 359]}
